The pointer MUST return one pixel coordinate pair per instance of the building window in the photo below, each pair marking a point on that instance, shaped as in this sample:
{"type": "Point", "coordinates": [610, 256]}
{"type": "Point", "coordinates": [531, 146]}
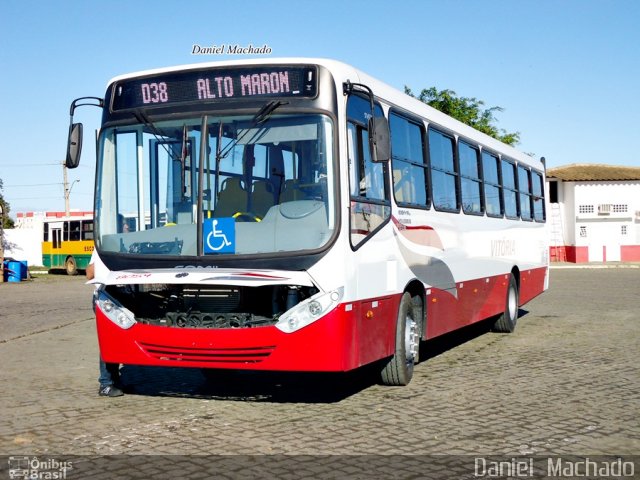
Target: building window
{"type": "Point", "coordinates": [585, 209]}
{"type": "Point", "coordinates": [617, 208]}
{"type": "Point", "coordinates": [583, 231]}
{"type": "Point", "coordinates": [623, 229]}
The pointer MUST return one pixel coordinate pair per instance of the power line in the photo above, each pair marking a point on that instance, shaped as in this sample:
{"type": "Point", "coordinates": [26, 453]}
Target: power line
{"type": "Point", "coordinates": [31, 165]}
{"type": "Point", "coordinates": [48, 196]}
{"type": "Point", "coordinates": [34, 185]}
{"type": "Point", "coordinates": [13, 200]}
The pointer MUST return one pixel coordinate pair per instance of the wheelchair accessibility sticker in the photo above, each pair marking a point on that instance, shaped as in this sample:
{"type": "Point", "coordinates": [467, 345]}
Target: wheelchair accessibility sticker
{"type": "Point", "coordinates": [219, 235]}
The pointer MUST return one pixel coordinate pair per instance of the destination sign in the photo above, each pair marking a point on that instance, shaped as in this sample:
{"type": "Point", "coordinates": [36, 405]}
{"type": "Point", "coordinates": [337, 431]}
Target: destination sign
{"type": "Point", "coordinates": [215, 85]}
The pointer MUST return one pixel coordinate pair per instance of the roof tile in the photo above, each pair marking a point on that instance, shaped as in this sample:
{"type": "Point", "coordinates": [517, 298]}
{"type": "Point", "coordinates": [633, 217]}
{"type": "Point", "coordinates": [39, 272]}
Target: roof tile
{"type": "Point", "coordinates": [579, 172]}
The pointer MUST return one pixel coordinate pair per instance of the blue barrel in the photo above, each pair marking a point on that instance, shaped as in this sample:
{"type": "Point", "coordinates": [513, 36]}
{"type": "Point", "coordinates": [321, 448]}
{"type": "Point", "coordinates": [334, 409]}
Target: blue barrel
{"type": "Point", "coordinates": [24, 270]}
{"type": "Point", "coordinates": [16, 271]}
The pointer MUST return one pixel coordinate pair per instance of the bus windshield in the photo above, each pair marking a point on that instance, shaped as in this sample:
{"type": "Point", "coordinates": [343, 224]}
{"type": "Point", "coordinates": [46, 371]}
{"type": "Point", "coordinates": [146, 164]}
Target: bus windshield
{"type": "Point", "coordinates": [258, 186]}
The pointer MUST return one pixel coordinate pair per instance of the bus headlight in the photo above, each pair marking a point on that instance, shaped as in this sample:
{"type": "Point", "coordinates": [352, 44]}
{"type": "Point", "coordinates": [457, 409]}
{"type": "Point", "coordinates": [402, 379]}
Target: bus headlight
{"type": "Point", "coordinates": [115, 312]}
{"type": "Point", "coordinates": [309, 311]}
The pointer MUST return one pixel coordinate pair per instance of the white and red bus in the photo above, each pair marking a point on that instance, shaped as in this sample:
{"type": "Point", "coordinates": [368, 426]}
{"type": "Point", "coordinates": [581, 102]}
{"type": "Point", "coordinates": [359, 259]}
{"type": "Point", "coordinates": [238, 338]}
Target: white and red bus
{"type": "Point", "coordinates": [300, 215]}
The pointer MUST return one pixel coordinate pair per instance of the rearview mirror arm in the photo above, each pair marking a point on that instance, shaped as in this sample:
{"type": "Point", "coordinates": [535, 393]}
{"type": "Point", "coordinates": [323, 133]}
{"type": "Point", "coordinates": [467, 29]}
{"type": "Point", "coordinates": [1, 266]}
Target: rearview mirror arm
{"type": "Point", "coordinates": [74, 142]}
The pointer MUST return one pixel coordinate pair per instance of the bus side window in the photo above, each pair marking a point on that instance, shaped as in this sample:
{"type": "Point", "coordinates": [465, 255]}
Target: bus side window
{"type": "Point", "coordinates": [74, 230]}
{"type": "Point", "coordinates": [471, 185]}
{"type": "Point", "coordinates": [509, 189]}
{"type": "Point", "coordinates": [370, 205]}
{"type": "Point", "coordinates": [408, 161]}
{"type": "Point", "coordinates": [492, 188]}
{"type": "Point", "coordinates": [367, 178]}
{"type": "Point", "coordinates": [444, 184]}
{"type": "Point", "coordinates": [87, 230]}
{"type": "Point", "coordinates": [524, 183]}
{"type": "Point", "coordinates": [538, 197]}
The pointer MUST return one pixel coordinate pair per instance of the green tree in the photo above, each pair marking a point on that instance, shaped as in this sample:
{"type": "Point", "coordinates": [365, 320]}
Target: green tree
{"type": "Point", "coordinates": [467, 110]}
{"type": "Point", "coordinates": [7, 222]}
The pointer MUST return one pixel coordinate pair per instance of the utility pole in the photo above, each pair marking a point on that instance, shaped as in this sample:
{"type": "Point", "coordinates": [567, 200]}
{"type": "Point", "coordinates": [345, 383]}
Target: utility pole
{"type": "Point", "coordinates": [67, 190]}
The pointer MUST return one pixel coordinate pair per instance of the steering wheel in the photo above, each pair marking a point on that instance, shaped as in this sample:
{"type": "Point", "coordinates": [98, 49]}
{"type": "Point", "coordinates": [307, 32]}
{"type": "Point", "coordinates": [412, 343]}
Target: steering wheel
{"type": "Point", "coordinates": [246, 217]}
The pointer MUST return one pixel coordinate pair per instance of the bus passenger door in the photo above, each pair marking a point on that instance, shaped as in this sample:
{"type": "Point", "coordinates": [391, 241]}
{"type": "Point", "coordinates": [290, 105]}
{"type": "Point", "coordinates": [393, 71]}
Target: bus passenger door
{"type": "Point", "coordinates": [370, 211]}
{"type": "Point", "coordinates": [55, 236]}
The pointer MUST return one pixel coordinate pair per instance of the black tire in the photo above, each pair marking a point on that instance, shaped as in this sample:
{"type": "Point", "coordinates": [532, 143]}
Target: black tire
{"type": "Point", "coordinates": [506, 322]}
{"type": "Point", "coordinates": [399, 370]}
{"type": "Point", "coordinates": [70, 266]}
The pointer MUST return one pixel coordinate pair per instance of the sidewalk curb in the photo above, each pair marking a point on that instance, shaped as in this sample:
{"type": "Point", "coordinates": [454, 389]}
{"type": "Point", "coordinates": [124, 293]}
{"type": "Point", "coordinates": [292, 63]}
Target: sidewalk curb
{"type": "Point", "coordinates": [589, 266]}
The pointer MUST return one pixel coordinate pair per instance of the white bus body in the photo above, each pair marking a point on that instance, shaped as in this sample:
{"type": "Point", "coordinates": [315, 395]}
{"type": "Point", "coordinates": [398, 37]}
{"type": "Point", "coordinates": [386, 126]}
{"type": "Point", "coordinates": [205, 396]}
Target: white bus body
{"type": "Point", "coordinates": [347, 262]}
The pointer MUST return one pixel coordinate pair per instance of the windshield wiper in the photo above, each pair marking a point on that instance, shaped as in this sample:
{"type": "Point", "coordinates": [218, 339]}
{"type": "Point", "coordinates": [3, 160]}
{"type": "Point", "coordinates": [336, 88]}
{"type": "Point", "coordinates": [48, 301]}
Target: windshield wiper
{"type": "Point", "coordinates": [159, 135]}
{"type": "Point", "coordinates": [142, 118]}
{"type": "Point", "coordinates": [266, 111]}
{"type": "Point", "coordinates": [258, 119]}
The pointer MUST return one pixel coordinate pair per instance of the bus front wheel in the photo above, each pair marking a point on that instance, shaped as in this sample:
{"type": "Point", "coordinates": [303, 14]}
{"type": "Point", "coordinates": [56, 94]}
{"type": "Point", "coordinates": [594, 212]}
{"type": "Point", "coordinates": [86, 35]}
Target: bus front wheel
{"type": "Point", "coordinates": [70, 266]}
{"type": "Point", "coordinates": [399, 370]}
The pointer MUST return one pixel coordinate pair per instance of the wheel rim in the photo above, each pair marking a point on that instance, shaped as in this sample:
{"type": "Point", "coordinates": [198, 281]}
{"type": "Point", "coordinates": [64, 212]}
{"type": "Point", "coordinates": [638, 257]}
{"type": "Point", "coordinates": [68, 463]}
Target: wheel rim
{"type": "Point", "coordinates": [512, 303]}
{"type": "Point", "coordinates": [70, 266]}
{"type": "Point", "coordinates": [410, 339]}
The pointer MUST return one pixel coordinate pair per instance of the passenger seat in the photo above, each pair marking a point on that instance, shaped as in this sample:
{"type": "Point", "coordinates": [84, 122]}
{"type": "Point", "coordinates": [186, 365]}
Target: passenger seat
{"type": "Point", "coordinates": [233, 198]}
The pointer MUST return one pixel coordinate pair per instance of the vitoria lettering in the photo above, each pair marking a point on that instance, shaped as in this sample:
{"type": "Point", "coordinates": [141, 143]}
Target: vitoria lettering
{"type": "Point", "coordinates": [214, 85]}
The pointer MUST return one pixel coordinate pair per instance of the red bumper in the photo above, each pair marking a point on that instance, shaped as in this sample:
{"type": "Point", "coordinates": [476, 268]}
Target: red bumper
{"type": "Point", "coordinates": [337, 342]}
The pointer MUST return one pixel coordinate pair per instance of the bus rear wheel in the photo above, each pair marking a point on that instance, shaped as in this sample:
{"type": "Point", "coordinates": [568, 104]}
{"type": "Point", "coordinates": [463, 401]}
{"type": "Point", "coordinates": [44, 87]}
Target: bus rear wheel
{"type": "Point", "coordinates": [506, 322]}
{"type": "Point", "coordinates": [399, 370]}
{"type": "Point", "coordinates": [70, 266]}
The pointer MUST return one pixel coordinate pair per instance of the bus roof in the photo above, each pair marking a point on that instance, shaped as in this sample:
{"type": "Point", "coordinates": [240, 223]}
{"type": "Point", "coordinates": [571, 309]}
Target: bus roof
{"type": "Point", "coordinates": [383, 91]}
{"type": "Point", "coordinates": [330, 64]}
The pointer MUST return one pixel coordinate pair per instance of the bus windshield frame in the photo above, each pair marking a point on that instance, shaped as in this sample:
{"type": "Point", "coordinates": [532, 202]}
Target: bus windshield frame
{"type": "Point", "coordinates": [214, 186]}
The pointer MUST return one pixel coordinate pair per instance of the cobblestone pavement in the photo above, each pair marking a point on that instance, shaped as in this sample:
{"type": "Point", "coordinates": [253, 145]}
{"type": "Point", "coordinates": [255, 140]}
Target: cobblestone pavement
{"type": "Point", "coordinates": [567, 382]}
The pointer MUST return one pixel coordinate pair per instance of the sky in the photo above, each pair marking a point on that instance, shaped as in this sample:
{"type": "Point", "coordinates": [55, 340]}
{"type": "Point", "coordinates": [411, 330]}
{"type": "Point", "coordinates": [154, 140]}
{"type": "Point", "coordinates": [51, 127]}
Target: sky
{"type": "Point", "coordinates": [566, 72]}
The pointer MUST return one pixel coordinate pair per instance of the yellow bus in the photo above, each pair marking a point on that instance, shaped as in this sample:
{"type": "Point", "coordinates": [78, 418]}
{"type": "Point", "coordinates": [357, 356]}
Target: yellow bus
{"type": "Point", "coordinates": [67, 243]}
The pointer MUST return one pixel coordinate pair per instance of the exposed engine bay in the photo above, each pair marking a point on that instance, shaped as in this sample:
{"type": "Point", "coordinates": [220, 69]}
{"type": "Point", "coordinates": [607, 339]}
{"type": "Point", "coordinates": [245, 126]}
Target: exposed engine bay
{"type": "Point", "coordinates": [208, 306]}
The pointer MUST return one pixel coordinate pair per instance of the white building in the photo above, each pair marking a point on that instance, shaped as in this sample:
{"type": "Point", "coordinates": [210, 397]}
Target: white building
{"type": "Point", "coordinates": [594, 213]}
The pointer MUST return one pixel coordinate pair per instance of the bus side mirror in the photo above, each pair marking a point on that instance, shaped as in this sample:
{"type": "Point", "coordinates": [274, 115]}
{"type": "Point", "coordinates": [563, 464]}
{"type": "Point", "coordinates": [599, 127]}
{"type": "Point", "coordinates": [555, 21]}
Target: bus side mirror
{"type": "Point", "coordinates": [379, 139]}
{"type": "Point", "coordinates": [74, 145]}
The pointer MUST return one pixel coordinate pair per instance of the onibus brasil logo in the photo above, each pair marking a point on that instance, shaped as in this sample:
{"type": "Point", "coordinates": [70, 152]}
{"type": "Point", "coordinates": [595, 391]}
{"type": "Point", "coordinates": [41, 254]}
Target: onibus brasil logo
{"type": "Point", "coordinates": [34, 468]}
